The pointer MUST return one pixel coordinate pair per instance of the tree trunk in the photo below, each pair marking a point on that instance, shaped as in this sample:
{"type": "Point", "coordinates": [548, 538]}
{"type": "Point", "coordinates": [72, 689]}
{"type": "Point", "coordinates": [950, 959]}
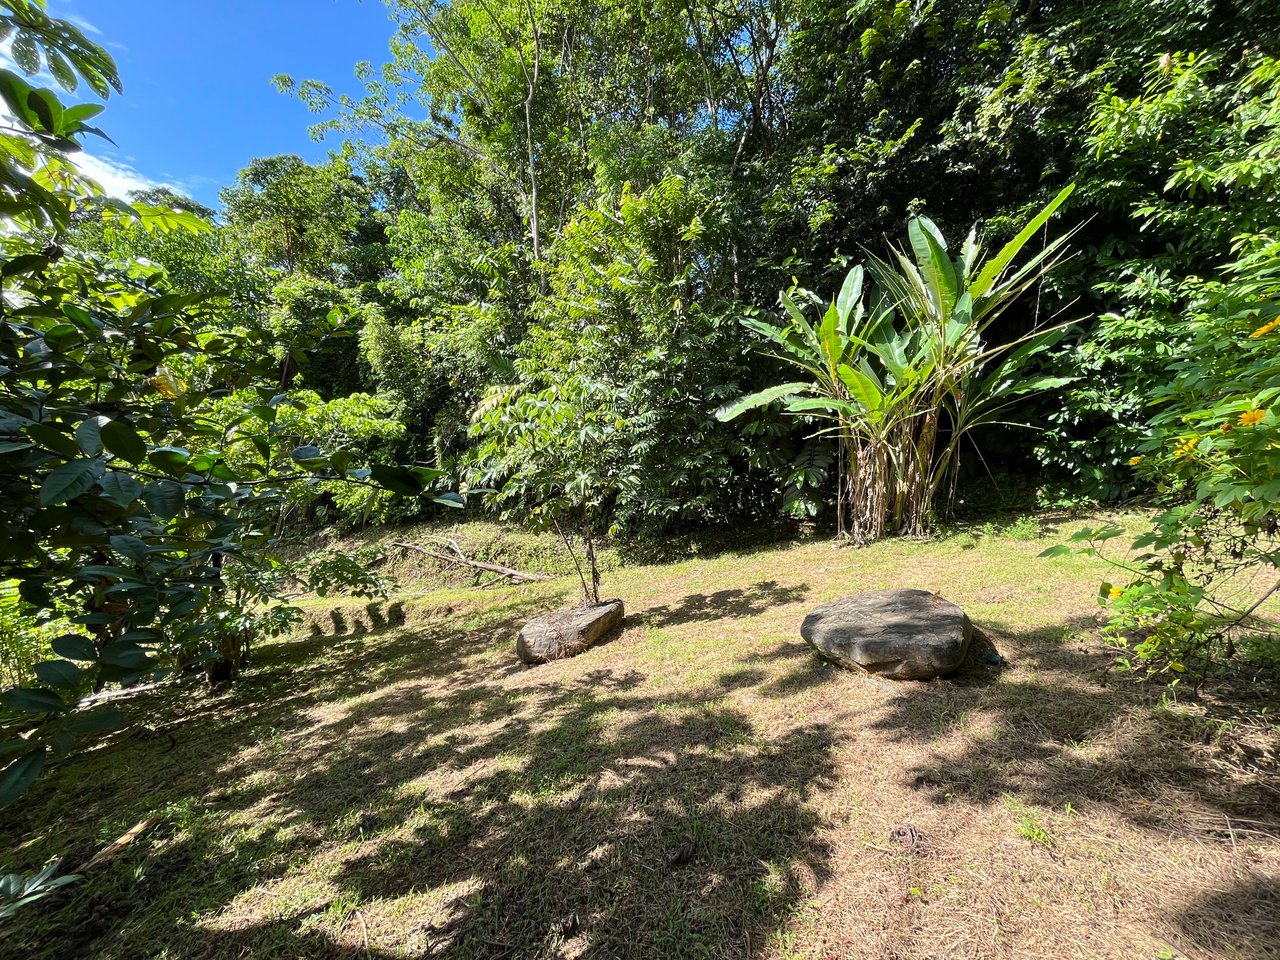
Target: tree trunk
{"type": "Point", "coordinates": [574, 557]}
{"type": "Point", "coordinates": [843, 484]}
{"type": "Point", "coordinates": [589, 548]}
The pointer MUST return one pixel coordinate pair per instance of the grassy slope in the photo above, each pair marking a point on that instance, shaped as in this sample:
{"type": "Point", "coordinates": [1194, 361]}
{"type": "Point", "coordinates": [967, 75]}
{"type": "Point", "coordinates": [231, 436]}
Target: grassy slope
{"type": "Point", "coordinates": [701, 786]}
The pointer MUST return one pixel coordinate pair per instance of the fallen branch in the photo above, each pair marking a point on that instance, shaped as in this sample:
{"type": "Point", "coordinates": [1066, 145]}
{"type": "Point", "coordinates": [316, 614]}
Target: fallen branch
{"type": "Point", "coordinates": [1256, 604]}
{"type": "Point", "coordinates": [516, 576]}
{"type": "Point", "coordinates": [111, 849]}
{"type": "Point", "coordinates": [105, 696]}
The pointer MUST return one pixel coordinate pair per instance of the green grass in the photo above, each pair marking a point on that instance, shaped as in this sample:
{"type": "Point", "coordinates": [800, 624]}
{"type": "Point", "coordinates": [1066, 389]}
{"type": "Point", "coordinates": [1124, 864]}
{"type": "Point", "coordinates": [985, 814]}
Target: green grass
{"type": "Point", "coordinates": [1029, 825]}
{"type": "Point", "coordinates": [393, 783]}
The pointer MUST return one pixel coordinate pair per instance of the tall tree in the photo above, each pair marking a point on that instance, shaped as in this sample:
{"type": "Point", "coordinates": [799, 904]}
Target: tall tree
{"type": "Point", "coordinates": [292, 216]}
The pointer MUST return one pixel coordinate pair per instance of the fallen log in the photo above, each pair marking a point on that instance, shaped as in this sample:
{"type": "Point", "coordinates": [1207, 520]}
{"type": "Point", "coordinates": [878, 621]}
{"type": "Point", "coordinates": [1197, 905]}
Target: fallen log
{"type": "Point", "coordinates": [517, 576]}
{"type": "Point", "coordinates": [113, 848]}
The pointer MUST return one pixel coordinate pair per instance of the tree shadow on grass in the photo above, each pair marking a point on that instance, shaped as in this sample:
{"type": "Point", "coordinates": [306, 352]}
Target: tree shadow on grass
{"type": "Point", "coordinates": [1246, 916]}
{"type": "Point", "coordinates": [374, 617]}
{"type": "Point", "coordinates": [1065, 729]}
{"type": "Point", "coordinates": [734, 604]}
{"type": "Point", "coordinates": [407, 795]}
{"type": "Point", "coordinates": [585, 816]}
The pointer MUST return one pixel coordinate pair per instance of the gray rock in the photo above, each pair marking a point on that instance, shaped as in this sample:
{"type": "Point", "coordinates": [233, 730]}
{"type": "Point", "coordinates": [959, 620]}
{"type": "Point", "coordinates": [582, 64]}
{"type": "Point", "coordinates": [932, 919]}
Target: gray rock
{"type": "Point", "coordinates": [899, 634]}
{"type": "Point", "coordinates": [566, 633]}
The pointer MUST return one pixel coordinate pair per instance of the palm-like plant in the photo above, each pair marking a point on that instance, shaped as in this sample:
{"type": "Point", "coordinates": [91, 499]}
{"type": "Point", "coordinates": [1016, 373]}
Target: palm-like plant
{"type": "Point", "coordinates": [899, 370]}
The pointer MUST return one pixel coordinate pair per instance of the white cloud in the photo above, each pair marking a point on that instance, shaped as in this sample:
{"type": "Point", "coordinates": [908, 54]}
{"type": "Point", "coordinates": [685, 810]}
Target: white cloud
{"type": "Point", "coordinates": [117, 178]}
{"type": "Point", "coordinates": [83, 24]}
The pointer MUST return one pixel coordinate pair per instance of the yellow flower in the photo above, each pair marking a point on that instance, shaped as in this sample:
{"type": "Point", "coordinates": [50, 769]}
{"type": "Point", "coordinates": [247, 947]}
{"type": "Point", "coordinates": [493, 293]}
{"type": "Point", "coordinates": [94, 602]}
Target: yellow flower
{"type": "Point", "coordinates": [1266, 328]}
{"type": "Point", "coordinates": [1134, 461]}
{"type": "Point", "coordinates": [1186, 447]}
{"type": "Point", "coordinates": [1117, 593]}
{"type": "Point", "coordinates": [1250, 417]}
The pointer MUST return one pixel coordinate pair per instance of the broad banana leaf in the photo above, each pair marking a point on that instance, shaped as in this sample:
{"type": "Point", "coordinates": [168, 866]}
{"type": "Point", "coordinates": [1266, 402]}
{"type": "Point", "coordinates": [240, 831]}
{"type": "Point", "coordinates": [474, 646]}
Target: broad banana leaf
{"type": "Point", "coordinates": [864, 388]}
{"type": "Point", "coordinates": [849, 301]}
{"type": "Point", "coordinates": [994, 267]}
{"type": "Point", "coordinates": [760, 399]}
{"type": "Point", "coordinates": [934, 263]}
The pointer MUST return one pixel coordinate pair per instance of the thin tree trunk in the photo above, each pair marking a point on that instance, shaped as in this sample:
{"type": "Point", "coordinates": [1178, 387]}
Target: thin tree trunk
{"type": "Point", "coordinates": [531, 75]}
{"type": "Point", "coordinates": [589, 548]}
{"type": "Point", "coordinates": [843, 484]}
{"type": "Point", "coordinates": [574, 557]}
{"type": "Point", "coordinates": [534, 232]}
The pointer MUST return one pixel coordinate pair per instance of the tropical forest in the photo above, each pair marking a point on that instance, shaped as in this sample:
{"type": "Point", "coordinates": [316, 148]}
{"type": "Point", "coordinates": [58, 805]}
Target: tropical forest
{"type": "Point", "coordinates": [640, 479]}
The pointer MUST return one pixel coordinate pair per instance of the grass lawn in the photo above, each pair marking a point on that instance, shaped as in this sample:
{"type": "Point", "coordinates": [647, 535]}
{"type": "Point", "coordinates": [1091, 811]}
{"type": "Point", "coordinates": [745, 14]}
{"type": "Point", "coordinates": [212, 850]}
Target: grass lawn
{"type": "Point", "coordinates": [393, 783]}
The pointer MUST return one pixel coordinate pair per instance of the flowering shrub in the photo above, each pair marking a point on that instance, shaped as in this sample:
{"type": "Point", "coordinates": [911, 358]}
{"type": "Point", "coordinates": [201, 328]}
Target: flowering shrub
{"type": "Point", "coordinates": [1214, 457]}
{"type": "Point", "coordinates": [1198, 578]}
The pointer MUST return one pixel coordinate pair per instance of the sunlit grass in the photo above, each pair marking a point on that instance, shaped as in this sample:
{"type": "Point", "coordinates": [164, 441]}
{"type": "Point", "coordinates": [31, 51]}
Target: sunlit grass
{"type": "Point", "coordinates": [393, 783]}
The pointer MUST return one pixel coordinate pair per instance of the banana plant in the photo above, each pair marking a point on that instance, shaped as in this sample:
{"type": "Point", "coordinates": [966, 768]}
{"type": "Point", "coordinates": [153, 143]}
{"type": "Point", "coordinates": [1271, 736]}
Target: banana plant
{"type": "Point", "coordinates": [900, 370]}
{"type": "Point", "coordinates": [846, 401]}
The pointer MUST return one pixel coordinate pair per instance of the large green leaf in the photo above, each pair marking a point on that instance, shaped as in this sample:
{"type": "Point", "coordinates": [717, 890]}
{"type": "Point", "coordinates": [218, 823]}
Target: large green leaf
{"type": "Point", "coordinates": [122, 439]}
{"type": "Point", "coordinates": [89, 434]}
{"type": "Point", "coordinates": [863, 388]}
{"type": "Point", "coordinates": [934, 263]}
{"type": "Point", "coordinates": [73, 646]}
{"type": "Point", "coordinates": [32, 700]}
{"type": "Point", "coordinates": [889, 347]}
{"type": "Point", "coordinates": [959, 331]}
{"type": "Point", "coordinates": [52, 438]}
{"type": "Point", "coordinates": [120, 488]}
{"type": "Point", "coordinates": [130, 547]}
{"type": "Point", "coordinates": [70, 480]}
{"type": "Point", "coordinates": [831, 408]}
{"type": "Point", "coordinates": [58, 673]}
{"type": "Point", "coordinates": [396, 479]}
{"type": "Point", "coordinates": [168, 220]}
{"type": "Point", "coordinates": [850, 297]}
{"type": "Point", "coordinates": [761, 398]}
{"type": "Point", "coordinates": [165, 498]}
{"type": "Point", "coordinates": [993, 268]}
{"type": "Point", "coordinates": [122, 653]}
{"type": "Point", "coordinates": [428, 475]}
{"type": "Point", "coordinates": [830, 338]}
{"type": "Point", "coordinates": [20, 774]}
{"type": "Point", "coordinates": [172, 460]}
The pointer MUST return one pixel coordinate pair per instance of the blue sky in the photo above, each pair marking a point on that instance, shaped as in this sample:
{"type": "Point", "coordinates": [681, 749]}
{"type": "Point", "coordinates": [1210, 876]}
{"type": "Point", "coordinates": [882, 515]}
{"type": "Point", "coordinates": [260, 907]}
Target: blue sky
{"type": "Point", "coordinates": [198, 102]}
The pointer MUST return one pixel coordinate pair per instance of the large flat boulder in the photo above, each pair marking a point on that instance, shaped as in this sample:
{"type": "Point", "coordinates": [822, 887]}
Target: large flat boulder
{"type": "Point", "coordinates": [900, 634]}
{"type": "Point", "coordinates": [566, 633]}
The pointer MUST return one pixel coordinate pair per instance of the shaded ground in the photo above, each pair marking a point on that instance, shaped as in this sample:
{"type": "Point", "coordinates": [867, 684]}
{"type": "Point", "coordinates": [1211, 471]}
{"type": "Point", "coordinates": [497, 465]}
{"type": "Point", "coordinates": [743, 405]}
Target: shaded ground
{"type": "Point", "coordinates": [395, 784]}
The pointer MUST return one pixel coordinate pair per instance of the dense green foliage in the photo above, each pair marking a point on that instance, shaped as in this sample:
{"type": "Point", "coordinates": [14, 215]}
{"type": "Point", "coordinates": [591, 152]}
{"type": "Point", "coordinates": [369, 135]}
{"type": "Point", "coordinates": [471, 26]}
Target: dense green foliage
{"type": "Point", "coordinates": [151, 441]}
{"type": "Point", "coordinates": [904, 372]}
{"type": "Point", "coordinates": [805, 131]}
{"type": "Point", "coordinates": [1204, 363]}
{"type": "Point", "coordinates": [526, 271]}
